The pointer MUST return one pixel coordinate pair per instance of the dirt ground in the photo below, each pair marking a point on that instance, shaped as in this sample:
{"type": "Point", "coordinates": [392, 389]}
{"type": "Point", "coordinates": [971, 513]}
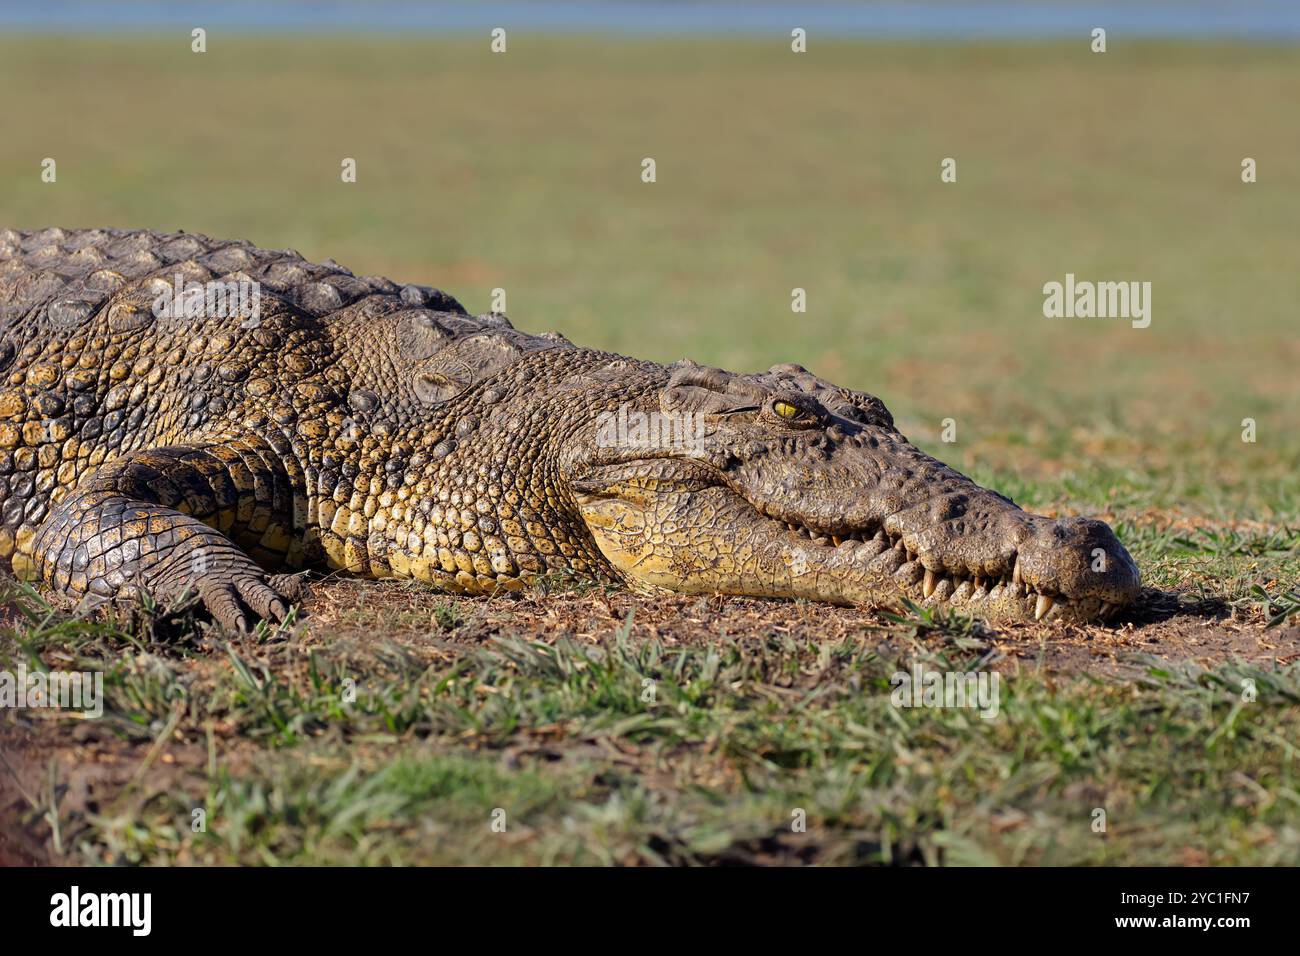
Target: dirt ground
{"type": "Point", "coordinates": [1161, 625]}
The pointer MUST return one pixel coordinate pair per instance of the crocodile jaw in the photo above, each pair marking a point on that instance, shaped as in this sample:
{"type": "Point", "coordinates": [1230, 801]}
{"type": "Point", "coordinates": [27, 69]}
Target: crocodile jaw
{"type": "Point", "coordinates": [681, 536]}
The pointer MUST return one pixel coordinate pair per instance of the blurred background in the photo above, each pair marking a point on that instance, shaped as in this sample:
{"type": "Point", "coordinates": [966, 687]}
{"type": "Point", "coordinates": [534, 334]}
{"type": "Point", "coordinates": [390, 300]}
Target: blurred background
{"type": "Point", "coordinates": [775, 170]}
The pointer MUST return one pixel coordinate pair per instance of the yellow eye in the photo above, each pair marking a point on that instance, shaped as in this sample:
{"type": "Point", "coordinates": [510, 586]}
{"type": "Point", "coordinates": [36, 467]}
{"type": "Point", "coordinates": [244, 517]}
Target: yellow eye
{"type": "Point", "coordinates": [785, 409]}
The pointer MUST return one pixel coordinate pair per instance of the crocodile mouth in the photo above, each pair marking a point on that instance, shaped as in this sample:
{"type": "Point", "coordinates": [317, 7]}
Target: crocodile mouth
{"type": "Point", "coordinates": [668, 533]}
{"type": "Point", "coordinates": [960, 588]}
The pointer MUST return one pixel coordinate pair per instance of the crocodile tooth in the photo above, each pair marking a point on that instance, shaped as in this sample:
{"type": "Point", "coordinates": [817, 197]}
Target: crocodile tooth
{"type": "Point", "coordinates": [837, 541]}
{"type": "Point", "coordinates": [1016, 575]}
{"type": "Point", "coordinates": [931, 582]}
{"type": "Point", "coordinates": [979, 582]}
{"type": "Point", "coordinates": [1042, 607]}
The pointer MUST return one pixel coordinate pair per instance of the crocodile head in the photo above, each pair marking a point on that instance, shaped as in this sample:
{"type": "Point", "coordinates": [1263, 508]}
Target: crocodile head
{"type": "Point", "coordinates": [784, 485]}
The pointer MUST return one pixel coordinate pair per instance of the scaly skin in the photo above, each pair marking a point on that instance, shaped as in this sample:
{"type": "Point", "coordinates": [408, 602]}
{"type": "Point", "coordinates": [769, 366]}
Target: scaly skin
{"type": "Point", "coordinates": [379, 429]}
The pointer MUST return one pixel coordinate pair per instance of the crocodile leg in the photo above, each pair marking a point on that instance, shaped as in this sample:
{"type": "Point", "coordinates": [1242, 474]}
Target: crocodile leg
{"type": "Point", "coordinates": [180, 522]}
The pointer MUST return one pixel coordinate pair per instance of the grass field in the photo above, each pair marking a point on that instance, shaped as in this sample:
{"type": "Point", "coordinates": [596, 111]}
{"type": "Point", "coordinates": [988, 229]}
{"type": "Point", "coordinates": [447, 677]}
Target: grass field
{"type": "Point", "coordinates": [774, 171]}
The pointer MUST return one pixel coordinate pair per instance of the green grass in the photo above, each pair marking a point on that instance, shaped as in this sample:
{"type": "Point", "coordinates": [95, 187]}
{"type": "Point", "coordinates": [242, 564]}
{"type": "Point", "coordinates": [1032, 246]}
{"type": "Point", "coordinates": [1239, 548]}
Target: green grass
{"type": "Point", "coordinates": [735, 740]}
{"type": "Point", "coordinates": [774, 172]}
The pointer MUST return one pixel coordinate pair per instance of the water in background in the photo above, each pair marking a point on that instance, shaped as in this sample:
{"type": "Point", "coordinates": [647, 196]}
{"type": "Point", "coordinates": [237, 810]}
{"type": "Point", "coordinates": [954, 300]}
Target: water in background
{"type": "Point", "coordinates": [925, 19]}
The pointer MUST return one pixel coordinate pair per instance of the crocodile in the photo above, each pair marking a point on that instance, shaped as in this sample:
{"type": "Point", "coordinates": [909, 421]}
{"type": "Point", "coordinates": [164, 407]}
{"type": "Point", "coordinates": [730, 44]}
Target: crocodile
{"type": "Point", "coordinates": [164, 436]}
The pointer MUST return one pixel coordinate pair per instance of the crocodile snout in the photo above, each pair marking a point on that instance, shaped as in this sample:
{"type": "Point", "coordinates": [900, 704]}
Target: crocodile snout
{"type": "Point", "coordinates": [1079, 561]}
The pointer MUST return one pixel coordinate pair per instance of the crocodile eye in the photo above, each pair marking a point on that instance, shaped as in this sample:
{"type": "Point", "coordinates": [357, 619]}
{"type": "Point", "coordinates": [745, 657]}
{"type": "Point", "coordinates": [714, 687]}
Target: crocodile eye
{"type": "Point", "coordinates": [793, 411]}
